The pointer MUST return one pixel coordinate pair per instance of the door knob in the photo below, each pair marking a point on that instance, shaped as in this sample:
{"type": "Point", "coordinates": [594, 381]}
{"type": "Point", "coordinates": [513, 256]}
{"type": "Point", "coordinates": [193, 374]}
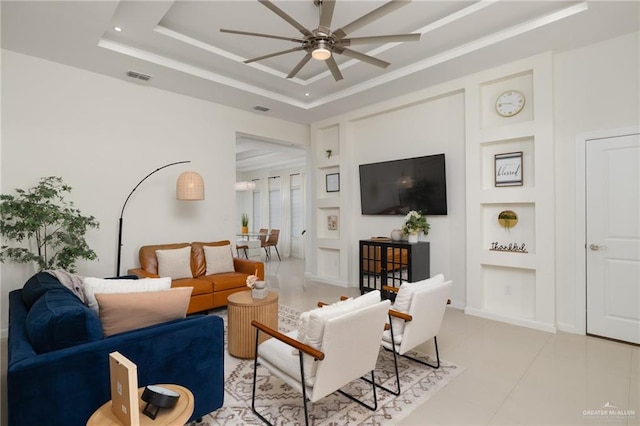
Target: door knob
{"type": "Point", "coordinates": [596, 247]}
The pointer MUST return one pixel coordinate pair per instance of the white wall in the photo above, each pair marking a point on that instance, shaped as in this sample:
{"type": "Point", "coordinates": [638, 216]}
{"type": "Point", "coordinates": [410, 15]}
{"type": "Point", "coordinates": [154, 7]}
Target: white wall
{"type": "Point", "coordinates": [596, 88]}
{"type": "Point", "coordinates": [429, 121]}
{"type": "Point", "coordinates": [102, 135]}
{"type": "Point", "coordinates": [434, 126]}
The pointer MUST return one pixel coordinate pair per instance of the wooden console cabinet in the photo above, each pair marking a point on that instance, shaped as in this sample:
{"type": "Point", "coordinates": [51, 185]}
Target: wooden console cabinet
{"type": "Point", "coordinates": [386, 262]}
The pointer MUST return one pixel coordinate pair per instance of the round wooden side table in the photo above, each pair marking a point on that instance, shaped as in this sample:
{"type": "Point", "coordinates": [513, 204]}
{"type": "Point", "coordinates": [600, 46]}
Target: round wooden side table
{"type": "Point", "coordinates": [178, 415]}
{"type": "Point", "coordinates": [241, 310]}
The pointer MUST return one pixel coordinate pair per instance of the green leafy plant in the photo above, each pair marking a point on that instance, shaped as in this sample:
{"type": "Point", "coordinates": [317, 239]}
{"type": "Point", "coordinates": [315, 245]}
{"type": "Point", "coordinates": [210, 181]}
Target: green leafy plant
{"type": "Point", "coordinates": [53, 227]}
{"type": "Point", "coordinates": [415, 222]}
{"type": "Point", "coordinates": [245, 219]}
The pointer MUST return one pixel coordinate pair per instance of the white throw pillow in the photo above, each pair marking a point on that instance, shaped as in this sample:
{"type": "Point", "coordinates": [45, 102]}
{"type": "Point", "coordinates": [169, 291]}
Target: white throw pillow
{"type": "Point", "coordinates": [219, 259]}
{"type": "Point", "coordinates": [100, 285]}
{"type": "Point", "coordinates": [403, 301]}
{"type": "Point", "coordinates": [174, 263]}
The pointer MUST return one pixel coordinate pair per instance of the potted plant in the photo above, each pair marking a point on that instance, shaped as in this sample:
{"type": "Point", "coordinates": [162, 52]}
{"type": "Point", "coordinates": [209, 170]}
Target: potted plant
{"type": "Point", "coordinates": [245, 223]}
{"type": "Point", "coordinates": [414, 223]}
{"type": "Point", "coordinates": [53, 227]}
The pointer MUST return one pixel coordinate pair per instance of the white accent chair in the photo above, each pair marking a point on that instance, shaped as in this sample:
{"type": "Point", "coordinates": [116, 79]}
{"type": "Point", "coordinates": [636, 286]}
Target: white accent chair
{"type": "Point", "coordinates": [324, 350]}
{"type": "Point", "coordinates": [416, 317]}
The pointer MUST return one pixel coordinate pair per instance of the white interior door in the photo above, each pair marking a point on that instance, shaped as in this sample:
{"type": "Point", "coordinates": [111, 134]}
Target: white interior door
{"type": "Point", "coordinates": [613, 237]}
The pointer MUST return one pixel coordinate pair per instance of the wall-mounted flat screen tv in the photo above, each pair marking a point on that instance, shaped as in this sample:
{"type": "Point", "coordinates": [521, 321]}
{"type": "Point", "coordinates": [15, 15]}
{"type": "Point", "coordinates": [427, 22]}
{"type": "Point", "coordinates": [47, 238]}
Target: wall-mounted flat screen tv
{"type": "Point", "coordinates": [396, 187]}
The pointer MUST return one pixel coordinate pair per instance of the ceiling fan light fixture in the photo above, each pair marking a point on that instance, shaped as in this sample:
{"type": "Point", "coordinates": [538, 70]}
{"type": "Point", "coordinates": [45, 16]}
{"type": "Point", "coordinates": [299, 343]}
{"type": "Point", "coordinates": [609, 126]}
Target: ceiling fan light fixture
{"type": "Point", "coordinates": [321, 52]}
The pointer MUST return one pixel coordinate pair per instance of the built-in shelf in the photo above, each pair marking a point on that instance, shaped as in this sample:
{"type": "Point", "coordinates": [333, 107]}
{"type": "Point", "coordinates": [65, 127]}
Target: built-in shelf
{"type": "Point", "coordinates": [515, 285]}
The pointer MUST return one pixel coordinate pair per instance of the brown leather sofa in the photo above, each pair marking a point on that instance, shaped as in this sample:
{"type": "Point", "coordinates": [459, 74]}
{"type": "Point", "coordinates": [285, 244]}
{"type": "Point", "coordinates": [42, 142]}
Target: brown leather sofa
{"type": "Point", "coordinates": [209, 291]}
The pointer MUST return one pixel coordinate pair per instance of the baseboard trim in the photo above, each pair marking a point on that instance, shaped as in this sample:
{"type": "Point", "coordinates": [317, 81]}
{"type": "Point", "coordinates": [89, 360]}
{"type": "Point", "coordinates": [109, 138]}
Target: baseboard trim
{"type": "Point", "coordinates": [569, 328]}
{"type": "Point", "coordinates": [327, 280]}
{"type": "Point", "coordinates": [522, 322]}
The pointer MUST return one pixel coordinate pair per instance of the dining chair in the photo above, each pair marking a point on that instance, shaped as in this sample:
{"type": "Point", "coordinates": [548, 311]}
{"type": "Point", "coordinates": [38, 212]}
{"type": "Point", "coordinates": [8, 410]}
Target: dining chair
{"type": "Point", "coordinates": [244, 248]}
{"type": "Point", "coordinates": [263, 235]}
{"type": "Point", "coordinates": [272, 241]}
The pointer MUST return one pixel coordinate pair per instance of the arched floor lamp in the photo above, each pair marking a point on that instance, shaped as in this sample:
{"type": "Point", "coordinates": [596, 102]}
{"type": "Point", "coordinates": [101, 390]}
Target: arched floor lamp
{"type": "Point", "coordinates": [189, 187]}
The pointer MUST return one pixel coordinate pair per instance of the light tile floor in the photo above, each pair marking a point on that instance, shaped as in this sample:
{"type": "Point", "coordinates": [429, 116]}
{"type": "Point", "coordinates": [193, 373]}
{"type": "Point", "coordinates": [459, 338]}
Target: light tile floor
{"type": "Point", "coordinates": [513, 375]}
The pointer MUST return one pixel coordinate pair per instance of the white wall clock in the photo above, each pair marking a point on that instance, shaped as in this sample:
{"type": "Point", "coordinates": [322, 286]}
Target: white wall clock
{"type": "Point", "coordinates": [510, 103]}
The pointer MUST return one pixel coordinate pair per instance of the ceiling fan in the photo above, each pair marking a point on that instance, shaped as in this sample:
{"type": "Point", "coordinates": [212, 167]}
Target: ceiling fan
{"type": "Point", "coordinates": [321, 43]}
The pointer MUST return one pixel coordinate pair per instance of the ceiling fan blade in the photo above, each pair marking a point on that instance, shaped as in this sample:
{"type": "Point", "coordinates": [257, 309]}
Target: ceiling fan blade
{"type": "Point", "coordinates": [299, 66]}
{"type": "Point", "coordinates": [370, 17]}
{"type": "Point", "coordinates": [296, 40]}
{"type": "Point", "coordinates": [361, 57]}
{"type": "Point", "coordinates": [275, 9]}
{"type": "Point", "coordinates": [271, 55]}
{"type": "Point", "coordinates": [333, 67]}
{"type": "Point", "coordinates": [326, 12]}
{"type": "Point", "coordinates": [396, 38]}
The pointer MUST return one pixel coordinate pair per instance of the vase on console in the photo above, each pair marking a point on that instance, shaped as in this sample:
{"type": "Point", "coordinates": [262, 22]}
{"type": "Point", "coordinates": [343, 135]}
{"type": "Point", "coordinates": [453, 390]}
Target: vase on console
{"type": "Point", "coordinates": [413, 237]}
{"type": "Point", "coordinates": [396, 235]}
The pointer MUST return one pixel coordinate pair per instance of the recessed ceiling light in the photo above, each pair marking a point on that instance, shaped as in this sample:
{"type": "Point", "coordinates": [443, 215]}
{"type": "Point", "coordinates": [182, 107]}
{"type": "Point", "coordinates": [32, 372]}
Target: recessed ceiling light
{"type": "Point", "coordinates": [118, 29]}
{"type": "Point", "coordinates": [306, 94]}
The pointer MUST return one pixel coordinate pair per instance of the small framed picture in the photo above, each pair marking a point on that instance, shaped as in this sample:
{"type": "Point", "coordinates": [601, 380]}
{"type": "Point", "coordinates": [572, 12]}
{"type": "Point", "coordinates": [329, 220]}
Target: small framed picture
{"type": "Point", "coordinates": [332, 223]}
{"type": "Point", "coordinates": [508, 169]}
{"type": "Point", "coordinates": [333, 182]}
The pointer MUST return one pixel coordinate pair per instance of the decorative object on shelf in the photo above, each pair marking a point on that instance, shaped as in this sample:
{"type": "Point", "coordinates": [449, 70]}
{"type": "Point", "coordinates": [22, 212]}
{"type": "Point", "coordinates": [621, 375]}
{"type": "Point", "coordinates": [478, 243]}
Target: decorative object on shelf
{"type": "Point", "coordinates": [245, 223]}
{"type": "Point", "coordinates": [333, 182]}
{"type": "Point", "coordinates": [508, 169]}
{"type": "Point", "coordinates": [189, 187]}
{"type": "Point", "coordinates": [52, 226]}
{"type": "Point", "coordinates": [511, 247]}
{"type": "Point", "coordinates": [510, 103]}
{"type": "Point", "coordinates": [332, 222]}
{"type": "Point", "coordinates": [396, 235]}
{"type": "Point", "coordinates": [252, 280]}
{"type": "Point", "coordinates": [156, 398]}
{"type": "Point", "coordinates": [507, 219]}
{"type": "Point", "coordinates": [259, 290]}
{"type": "Point", "coordinates": [329, 153]}
{"type": "Point", "coordinates": [414, 222]}
{"type": "Point", "coordinates": [245, 186]}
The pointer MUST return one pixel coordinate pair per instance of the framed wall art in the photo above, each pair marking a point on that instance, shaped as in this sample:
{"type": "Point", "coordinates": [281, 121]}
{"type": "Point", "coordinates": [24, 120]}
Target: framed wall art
{"type": "Point", "coordinates": [508, 169]}
{"type": "Point", "coordinates": [333, 182]}
{"type": "Point", "coordinates": [332, 223]}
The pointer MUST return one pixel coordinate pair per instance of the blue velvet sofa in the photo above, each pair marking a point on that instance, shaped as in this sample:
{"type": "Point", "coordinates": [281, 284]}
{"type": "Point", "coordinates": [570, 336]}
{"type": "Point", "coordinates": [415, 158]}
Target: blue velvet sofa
{"type": "Point", "coordinates": [58, 361]}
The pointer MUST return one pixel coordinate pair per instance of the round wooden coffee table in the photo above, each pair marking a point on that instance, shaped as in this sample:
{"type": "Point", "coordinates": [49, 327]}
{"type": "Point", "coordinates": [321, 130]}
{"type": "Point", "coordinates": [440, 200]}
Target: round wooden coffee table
{"type": "Point", "coordinates": [178, 415]}
{"type": "Point", "coordinates": [241, 310]}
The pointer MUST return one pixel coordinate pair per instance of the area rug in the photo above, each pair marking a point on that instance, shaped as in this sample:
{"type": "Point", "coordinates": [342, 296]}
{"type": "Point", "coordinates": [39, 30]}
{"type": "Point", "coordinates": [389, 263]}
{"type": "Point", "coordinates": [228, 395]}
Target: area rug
{"type": "Point", "coordinates": [283, 406]}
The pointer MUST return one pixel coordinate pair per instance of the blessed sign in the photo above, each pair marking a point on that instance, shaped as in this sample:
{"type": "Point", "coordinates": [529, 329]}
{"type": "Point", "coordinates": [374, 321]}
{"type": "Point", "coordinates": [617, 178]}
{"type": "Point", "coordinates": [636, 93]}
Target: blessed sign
{"type": "Point", "coordinates": [508, 169]}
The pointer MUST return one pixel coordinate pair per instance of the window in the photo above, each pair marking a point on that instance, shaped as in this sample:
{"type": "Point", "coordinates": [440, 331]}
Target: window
{"type": "Point", "coordinates": [296, 216]}
{"type": "Point", "coordinates": [255, 223]}
{"type": "Point", "coordinates": [275, 203]}
{"type": "Point", "coordinates": [296, 206]}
